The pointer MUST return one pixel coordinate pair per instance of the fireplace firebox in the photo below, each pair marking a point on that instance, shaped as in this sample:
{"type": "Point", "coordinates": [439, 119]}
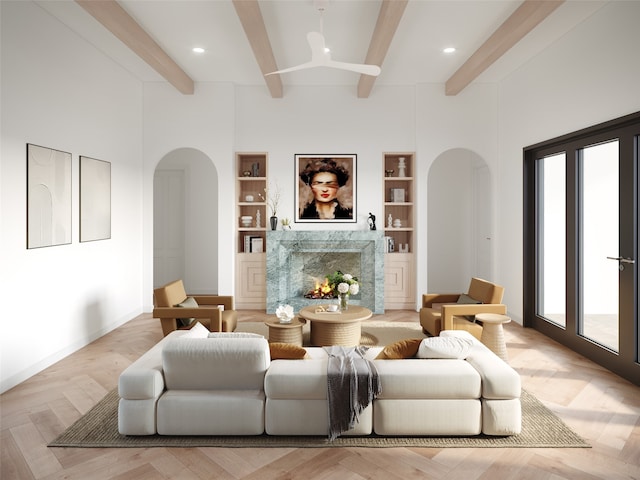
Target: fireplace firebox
{"type": "Point", "coordinates": [297, 260]}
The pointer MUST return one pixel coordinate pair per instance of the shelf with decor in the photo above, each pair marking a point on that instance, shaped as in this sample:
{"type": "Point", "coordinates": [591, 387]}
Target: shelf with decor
{"type": "Point", "coordinates": [398, 227]}
{"type": "Point", "coordinates": [251, 229]}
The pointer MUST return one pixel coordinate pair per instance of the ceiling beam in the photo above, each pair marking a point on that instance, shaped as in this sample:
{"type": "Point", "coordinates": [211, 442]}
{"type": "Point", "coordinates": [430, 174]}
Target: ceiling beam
{"type": "Point", "coordinates": [391, 12]}
{"type": "Point", "coordinates": [251, 19]}
{"type": "Point", "coordinates": [110, 14]}
{"type": "Point", "coordinates": [527, 16]}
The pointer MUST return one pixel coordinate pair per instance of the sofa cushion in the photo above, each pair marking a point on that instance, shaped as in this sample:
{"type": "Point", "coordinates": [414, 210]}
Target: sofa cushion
{"type": "Point", "coordinates": [286, 351]}
{"type": "Point", "coordinates": [428, 378]}
{"type": "Point", "coordinates": [297, 379]}
{"type": "Point", "coordinates": [234, 335]}
{"type": "Point", "coordinates": [402, 349]}
{"type": "Point", "coordinates": [188, 302]}
{"type": "Point", "coordinates": [215, 363]}
{"type": "Point", "coordinates": [444, 347]}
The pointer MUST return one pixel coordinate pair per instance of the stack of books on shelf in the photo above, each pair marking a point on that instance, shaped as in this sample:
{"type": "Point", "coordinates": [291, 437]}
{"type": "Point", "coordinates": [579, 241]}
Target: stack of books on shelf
{"type": "Point", "coordinates": [253, 244]}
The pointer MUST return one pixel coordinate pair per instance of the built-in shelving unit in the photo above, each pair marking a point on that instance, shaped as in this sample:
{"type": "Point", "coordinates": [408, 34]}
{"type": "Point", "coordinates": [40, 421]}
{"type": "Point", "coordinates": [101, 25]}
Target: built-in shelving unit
{"type": "Point", "coordinates": [398, 185]}
{"type": "Point", "coordinates": [251, 221]}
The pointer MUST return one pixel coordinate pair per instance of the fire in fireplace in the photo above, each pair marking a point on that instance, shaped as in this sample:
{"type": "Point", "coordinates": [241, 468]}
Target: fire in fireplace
{"type": "Point", "coordinates": [321, 290]}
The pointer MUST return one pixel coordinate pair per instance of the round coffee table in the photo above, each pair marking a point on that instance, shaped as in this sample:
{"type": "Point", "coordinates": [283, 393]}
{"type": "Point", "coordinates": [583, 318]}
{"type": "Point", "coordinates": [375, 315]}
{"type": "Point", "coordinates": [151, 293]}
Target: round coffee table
{"type": "Point", "coordinates": [493, 333]}
{"type": "Point", "coordinates": [335, 328]}
{"type": "Point", "coordinates": [286, 332]}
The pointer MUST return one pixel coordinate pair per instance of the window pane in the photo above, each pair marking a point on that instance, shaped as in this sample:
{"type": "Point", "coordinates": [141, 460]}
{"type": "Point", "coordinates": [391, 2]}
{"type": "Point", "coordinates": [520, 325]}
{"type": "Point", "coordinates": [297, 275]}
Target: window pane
{"type": "Point", "coordinates": [599, 296]}
{"type": "Point", "coordinates": [552, 238]}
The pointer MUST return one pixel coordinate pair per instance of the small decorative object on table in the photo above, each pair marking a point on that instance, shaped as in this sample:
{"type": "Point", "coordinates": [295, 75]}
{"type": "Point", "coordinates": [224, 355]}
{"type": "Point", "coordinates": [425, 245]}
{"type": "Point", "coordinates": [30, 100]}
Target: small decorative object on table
{"type": "Point", "coordinates": [372, 221]}
{"type": "Point", "coordinates": [285, 313]}
{"type": "Point", "coordinates": [343, 285]}
{"type": "Point", "coordinates": [286, 224]}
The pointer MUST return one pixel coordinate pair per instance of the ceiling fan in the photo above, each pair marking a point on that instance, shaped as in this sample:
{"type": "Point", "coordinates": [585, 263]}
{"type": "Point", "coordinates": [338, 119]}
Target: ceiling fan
{"type": "Point", "coordinates": [321, 57]}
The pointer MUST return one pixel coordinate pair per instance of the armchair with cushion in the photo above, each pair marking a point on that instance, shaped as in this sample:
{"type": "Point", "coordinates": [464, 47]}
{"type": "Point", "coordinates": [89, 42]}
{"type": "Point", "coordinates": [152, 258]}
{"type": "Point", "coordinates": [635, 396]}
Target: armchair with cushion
{"type": "Point", "coordinates": [456, 311]}
{"type": "Point", "coordinates": [177, 310]}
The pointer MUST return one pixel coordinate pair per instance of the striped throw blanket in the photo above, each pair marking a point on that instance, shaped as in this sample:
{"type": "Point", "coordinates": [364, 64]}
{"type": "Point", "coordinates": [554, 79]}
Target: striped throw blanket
{"type": "Point", "coordinates": [352, 384]}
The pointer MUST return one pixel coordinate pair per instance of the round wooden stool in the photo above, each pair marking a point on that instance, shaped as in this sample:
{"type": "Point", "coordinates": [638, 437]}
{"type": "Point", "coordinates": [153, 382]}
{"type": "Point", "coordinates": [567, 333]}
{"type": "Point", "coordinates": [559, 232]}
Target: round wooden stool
{"type": "Point", "coordinates": [286, 332]}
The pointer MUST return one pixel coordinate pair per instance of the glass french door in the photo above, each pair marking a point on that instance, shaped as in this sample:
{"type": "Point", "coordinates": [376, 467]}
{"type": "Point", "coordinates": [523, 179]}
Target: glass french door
{"type": "Point", "coordinates": [581, 243]}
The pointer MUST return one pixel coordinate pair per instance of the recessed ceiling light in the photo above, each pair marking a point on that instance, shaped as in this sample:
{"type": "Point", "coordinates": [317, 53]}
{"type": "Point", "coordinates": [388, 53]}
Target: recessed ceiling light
{"type": "Point", "coordinates": [449, 50]}
{"type": "Point", "coordinates": [197, 50]}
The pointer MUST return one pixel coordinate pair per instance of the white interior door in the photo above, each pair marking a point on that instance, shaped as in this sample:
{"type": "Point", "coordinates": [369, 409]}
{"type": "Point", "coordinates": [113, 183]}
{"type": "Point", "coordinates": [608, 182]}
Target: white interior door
{"type": "Point", "coordinates": [168, 226]}
{"type": "Point", "coordinates": [482, 223]}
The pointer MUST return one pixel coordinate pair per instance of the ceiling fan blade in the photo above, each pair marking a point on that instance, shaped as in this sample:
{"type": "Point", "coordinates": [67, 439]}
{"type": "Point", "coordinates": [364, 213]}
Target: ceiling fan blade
{"type": "Point", "coordinates": [373, 70]}
{"type": "Point", "coordinates": [322, 58]}
{"type": "Point", "coordinates": [293, 69]}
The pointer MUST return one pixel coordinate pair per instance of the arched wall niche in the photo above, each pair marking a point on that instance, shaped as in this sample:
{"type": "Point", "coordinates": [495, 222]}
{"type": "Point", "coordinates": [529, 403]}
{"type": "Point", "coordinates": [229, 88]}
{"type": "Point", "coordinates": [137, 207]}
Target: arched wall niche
{"type": "Point", "coordinates": [185, 221]}
{"type": "Point", "coordinates": [460, 221]}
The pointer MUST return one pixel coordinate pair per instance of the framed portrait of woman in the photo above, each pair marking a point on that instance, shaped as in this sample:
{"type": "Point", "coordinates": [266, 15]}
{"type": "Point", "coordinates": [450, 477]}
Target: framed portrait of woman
{"type": "Point", "coordinates": [325, 188]}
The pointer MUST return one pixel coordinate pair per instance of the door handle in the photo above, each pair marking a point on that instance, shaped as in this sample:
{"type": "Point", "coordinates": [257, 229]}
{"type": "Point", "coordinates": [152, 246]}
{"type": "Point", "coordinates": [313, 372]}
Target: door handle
{"type": "Point", "coordinates": [622, 259]}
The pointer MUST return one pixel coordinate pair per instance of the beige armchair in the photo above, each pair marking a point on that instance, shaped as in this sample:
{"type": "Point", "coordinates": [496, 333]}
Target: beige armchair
{"type": "Point", "coordinates": [206, 309]}
{"type": "Point", "coordinates": [456, 311]}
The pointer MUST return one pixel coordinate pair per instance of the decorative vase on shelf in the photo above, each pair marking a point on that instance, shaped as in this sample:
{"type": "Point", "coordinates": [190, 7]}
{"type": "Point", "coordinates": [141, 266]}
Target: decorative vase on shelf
{"type": "Point", "coordinates": [344, 301]}
{"type": "Point", "coordinates": [274, 222]}
{"type": "Point", "coordinates": [401, 167]}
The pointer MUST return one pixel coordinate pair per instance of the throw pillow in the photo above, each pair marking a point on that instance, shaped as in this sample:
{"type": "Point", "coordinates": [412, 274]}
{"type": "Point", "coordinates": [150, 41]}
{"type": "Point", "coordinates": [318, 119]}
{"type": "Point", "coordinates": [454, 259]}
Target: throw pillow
{"type": "Point", "coordinates": [197, 331]}
{"type": "Point", "coordinates": [402, 349]}
{"type": "Point", "coordinates": [189, 302]}
{"type": "Point", "coordinates": [286, 351]}
{"type": "Point", "coordinates": [445, 347]}
{"type": "Point", "coordinates": [466, 299]}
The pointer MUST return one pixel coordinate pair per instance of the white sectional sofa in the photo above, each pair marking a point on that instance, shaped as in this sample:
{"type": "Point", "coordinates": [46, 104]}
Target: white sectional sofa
{"type": "Point", "coordinates": [231, 386]}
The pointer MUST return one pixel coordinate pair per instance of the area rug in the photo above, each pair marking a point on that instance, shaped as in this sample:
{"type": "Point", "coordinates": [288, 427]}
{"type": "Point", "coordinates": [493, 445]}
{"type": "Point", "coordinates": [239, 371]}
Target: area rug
{"type": "Point", "coordinates": [99, 429]}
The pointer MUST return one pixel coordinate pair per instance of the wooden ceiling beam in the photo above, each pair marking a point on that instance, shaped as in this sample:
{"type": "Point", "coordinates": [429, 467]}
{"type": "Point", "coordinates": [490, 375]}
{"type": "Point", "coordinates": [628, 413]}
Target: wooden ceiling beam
{"type": "Point", "coordinates": [252, 22]}
{"type": "Point", "coordinates": [115, 19]}
{"type": "Point", "coordinates": [391, 12]}
{"type": "Point", "coordinates": [526, 17]}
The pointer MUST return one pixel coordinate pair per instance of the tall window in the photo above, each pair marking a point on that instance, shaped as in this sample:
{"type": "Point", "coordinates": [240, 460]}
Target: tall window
{"type": "Point", "coordinates": [581, 229]}
{"type": "Point", "coordinates": [552, 238]}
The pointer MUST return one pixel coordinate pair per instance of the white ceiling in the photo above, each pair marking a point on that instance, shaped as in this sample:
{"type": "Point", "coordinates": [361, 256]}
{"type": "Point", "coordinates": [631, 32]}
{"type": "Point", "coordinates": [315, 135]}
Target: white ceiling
{"type": "Point", "coordinates": [415, 55]}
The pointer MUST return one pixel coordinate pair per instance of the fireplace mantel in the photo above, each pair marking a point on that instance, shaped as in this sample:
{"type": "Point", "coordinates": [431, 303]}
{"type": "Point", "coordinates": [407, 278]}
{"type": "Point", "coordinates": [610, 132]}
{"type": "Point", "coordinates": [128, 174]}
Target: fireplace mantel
{"type": "Point", "coordinates": [295, 257]}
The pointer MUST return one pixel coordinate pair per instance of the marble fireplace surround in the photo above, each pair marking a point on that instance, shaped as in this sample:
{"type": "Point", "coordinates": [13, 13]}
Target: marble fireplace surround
{"type": "Point", "coordinates": [296, 258]}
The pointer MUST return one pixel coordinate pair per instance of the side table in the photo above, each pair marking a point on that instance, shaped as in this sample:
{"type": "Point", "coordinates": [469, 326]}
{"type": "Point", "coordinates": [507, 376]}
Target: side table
{"type": "Point", "coordinates": [286, 332]}
{"type": "Point", "coordinates": [493, 333]}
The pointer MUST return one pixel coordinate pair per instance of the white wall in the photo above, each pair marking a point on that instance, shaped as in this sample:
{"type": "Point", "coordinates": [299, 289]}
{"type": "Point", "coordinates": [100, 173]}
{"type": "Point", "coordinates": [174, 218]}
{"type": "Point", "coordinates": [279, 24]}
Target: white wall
{"type": "Point", "coordinates": [589, 76]}
{"type": "Point", "coordinates": [59, 92]}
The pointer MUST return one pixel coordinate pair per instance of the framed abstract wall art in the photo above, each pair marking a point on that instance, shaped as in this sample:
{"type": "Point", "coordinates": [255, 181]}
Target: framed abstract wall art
{"type": "Point", "coordinates": [95, 199]}
{"type": "Point", "coordinates": [48, 197]}
{"type": "Point", "coordinates": [325, 188]}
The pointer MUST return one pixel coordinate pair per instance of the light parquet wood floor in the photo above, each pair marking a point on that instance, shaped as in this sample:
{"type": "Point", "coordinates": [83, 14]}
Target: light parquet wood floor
{"type": "Point", "coordinates": [600, 406]}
